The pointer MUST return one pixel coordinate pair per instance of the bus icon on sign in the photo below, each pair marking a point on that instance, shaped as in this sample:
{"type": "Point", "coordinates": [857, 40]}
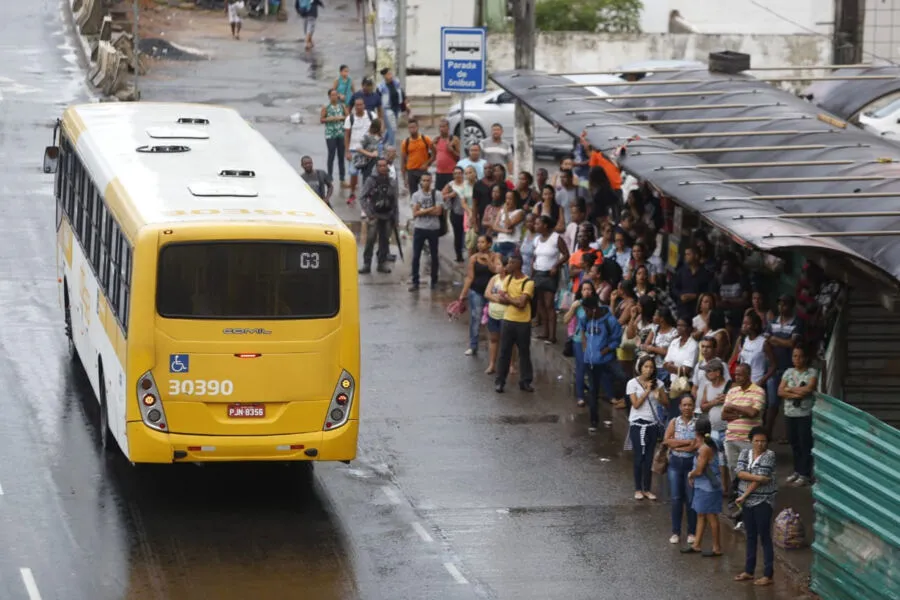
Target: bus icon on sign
{"type": "Point", "coordinates": [179, 363]}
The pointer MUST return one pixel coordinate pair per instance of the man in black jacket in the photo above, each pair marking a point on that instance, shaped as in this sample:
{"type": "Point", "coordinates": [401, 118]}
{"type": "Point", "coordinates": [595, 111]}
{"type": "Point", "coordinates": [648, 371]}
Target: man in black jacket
{"type": "Point", "coordinates": [379, 203]}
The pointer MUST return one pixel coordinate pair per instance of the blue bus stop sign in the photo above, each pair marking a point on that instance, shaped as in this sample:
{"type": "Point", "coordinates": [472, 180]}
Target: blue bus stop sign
{"type": "Point", "coordinates": [463, 59]}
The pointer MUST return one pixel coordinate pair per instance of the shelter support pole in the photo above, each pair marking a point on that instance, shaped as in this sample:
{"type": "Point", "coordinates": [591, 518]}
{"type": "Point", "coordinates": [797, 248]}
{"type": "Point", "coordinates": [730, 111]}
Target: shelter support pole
{"type": "Point", "coordinates": [524, 35]}
{"type": "Point", "coordinates": [849, 16]}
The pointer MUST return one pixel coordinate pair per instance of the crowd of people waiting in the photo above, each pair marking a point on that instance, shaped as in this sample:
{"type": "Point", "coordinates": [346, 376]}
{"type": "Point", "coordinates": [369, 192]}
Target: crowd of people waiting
{"type": "Point", "coordinates": [694, 353]}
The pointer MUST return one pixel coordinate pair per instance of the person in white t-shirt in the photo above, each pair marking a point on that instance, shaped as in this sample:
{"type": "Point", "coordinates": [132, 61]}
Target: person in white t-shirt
{"type": "Point", "coordinates": [356, 126]}
{"type": "Point", "coordinates": [234, 8]}
{"type": "Point", "coordinates": [647, 394]}
{"type": "Point", "coordinates": [681, 356]}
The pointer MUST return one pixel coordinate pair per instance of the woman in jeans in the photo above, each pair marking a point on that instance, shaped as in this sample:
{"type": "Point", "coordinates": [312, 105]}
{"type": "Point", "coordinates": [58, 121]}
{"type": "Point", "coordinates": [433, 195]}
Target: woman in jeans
{"type": "Point", "coordinates": [756, 485]}
{"type": "Point", "coordinates": [333, 115]}
{"type": "Point", "coordinates": [681, 441]}
{"type": "Point", "coordinates": [647, 393]}
{"type": "Point", "coordinates": [577, 313]}
{"type": "Point", "coordinates": [482, 267]}
{"type": "Point", "coordinates": [797, 387]}
{"type": "Point", "coordinates": [495, 314]}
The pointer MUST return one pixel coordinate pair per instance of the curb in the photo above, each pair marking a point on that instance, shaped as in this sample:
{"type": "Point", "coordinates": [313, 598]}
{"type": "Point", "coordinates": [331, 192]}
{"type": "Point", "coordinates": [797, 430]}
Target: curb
{"type": "Point", "coordinates": [82, 49]}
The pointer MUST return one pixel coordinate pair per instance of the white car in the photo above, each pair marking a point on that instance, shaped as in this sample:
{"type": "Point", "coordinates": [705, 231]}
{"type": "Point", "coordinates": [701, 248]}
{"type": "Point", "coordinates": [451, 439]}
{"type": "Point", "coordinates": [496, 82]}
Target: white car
{"type": "Point", "coordinates": [499, 107]}
{"type": "Point", "coordinates": [883, 121]}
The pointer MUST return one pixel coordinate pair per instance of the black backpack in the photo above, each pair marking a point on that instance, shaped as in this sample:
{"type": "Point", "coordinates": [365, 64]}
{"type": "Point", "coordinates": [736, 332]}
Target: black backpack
{"type": "Point", "coordinates": [353, 116]}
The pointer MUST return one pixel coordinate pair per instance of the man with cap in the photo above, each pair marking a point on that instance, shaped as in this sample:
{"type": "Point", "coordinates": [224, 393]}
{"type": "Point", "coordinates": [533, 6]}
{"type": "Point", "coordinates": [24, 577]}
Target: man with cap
{"type": "Point", "coordinates": [371, 99]}
{"type": "Point", "coordinates": [710, 399]}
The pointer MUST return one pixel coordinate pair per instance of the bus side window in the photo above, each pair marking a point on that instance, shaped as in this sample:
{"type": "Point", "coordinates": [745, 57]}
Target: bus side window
{"type": "Point", "coordinates": [78, 199]}
{"type": "Point", "coordinates": [105, 251]}
{"type": "Point", "coordinates": [114, 268]}
{"type": "Point", "coordinates": [96, 229]}
{"type": "Point", "coordinates": [87, 223]}
{"type": "Point", "coordinates": [124, 284]}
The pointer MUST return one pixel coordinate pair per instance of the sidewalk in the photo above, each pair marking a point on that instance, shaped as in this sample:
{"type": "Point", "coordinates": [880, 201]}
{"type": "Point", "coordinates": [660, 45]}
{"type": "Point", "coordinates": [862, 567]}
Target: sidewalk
{"type": "Point", "coordinates": [557, 372]}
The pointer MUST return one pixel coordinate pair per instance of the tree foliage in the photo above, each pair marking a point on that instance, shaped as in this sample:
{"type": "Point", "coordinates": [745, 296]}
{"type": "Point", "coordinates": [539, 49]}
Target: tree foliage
{"type": "Point", "coordinates": [610, 16]}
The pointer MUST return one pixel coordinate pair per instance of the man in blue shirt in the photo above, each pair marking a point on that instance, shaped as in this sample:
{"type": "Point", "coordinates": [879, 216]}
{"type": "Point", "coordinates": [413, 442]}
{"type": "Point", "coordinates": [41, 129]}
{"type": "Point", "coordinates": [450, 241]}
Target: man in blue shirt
{"type": "Point", "coordinates": [602, 334]}
{"type": "Point", "coordinates": [474, 160]}
{"type": "Point", "coordinates": [370, 97]}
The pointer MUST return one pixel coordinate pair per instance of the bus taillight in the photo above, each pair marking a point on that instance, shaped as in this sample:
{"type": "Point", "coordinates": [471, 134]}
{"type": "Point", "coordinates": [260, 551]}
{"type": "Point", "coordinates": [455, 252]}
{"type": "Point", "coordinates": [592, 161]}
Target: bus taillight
{"type": "Point", "coordinates": [341, 400]}
{"type": "Point", "coordinates": [152, 412]}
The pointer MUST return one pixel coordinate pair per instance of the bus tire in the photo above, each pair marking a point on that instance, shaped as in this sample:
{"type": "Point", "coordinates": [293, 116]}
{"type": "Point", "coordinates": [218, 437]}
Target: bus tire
{"type": "Point", "coordinates": [104, 431]}
{"type": "Point", "coordinates": [68, 315]}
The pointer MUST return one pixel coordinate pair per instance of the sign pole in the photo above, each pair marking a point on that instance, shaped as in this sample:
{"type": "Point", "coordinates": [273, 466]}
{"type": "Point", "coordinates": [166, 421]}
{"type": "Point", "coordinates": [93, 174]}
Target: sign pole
{"type": "Point", "coordinates": [462, 125]}
{"type": "Point", "coordinates": [463, 67]}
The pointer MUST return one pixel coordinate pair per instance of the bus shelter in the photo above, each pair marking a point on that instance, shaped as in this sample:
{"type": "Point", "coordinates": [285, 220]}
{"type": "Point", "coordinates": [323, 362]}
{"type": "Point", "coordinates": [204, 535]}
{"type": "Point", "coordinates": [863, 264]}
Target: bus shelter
{"type": "Point", "coordinates": [779, 174]}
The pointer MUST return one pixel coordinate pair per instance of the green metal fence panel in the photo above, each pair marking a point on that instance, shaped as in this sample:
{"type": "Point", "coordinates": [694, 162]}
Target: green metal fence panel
{"type": "Point", "coordinates": [857, 494]}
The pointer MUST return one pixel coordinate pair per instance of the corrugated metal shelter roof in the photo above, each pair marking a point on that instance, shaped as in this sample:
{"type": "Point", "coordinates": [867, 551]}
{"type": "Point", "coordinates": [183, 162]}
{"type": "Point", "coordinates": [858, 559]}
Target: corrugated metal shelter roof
{"type": "Point", "coordinates": [720, 124]}
{"type": "Point", "coordinates": [846, 98]}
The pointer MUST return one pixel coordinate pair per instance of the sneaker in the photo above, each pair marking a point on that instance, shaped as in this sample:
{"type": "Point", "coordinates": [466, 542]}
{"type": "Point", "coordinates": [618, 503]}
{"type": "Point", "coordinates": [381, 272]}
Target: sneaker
{"type": "Point", "coordinates": [383, 269]}
{"type": "Point", "coordinates": [649, 495]}
{"type": "Point", "coordinates": [739, 526]}
{"type": "Point", "coordinates": [592, 429]}
{"type": "Point", "coordinates": [638, 496]}
{"type": "Point", "coordinates": [351, 199]}
{"type": "Point", "coordinates": [526, 387]}
{"type": "Point", "coordinates": [792, 477]}
{"type": "Point", "coordinates": [470, 352]}
{"type": "Point", "coordinates": [674, 538]}
{"type": "Point", "coordinates": [498, 388]}
{"type": "Point", "coordinates": [365, 270]}
{"type": "Point", "coordinates": [690, 540]}
{"type": "Point", "coordinates": [414, 287]}
{"type": "Point", "coordinates": [801, 481]}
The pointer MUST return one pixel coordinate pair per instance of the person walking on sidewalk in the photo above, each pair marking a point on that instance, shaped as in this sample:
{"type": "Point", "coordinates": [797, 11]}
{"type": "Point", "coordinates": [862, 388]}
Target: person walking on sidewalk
{"type": "Point", "coordinates": [602, 334]}
{"type": "Point", "coordinates": [416, 156]}
{"type": "Point", "coordinates": [344, 86]}
{"type": "Point", "coordinates": [333, 116]}
{"type": "Point", "coordinates": [379, 197]}
{"type": "Point", "coordinates": [446, 149]}
{"type": "Point", "coordinates": [317, 179]}
{"type": "Point", "coordinates": [393, 102]}
{"type": "Point", "coordinates": [234, 8]}
{"type": "Point", "coordinates": [356, 126]}
{"type": "Point", "coordinates": [427, 212]}
{"type": "Point", "coordinates": [309, 10]}
{"type": "Point", "coordinates": [515, 329]}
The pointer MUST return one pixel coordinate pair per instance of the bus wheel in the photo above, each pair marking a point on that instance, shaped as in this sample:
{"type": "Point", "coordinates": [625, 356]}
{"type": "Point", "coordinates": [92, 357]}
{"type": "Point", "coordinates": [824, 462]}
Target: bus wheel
{"type": "Point", "coordinates": [68, 313]}
{"type": "Point", "coordinates": [104, 416]}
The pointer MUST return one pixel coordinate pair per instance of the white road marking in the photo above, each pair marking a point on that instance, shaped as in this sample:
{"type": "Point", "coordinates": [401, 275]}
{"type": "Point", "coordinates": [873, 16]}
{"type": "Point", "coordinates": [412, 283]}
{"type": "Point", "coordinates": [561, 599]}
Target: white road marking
{"type": "Point", "coordinates": [30, 585]}
{"type": "Point", "coordinates": [454, 573]}
{"type": "Point", "coordinates": [391, 494]}
{"type": "Point", "coordinates": [1, 490]}
{"type": "Point", "coordinates": [423, 533]}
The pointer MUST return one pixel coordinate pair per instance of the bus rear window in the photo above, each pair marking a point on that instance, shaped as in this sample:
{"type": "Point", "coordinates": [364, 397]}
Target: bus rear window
{"type": "Point", "coordinates": [248, 280]}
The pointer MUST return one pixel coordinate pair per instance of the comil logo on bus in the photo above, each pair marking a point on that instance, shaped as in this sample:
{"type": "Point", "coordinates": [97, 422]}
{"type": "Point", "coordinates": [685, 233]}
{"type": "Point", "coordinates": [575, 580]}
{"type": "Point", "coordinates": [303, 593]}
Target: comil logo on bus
{"type": "Point", "coordinates": [230, 331]}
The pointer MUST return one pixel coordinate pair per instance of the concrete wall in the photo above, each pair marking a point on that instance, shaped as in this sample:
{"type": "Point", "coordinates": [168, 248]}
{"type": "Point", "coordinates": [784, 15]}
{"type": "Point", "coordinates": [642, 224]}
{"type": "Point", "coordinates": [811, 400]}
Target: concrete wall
{"type": "Point", "coordinates": [585, 52]}
{"type": "Point", "coordinates": [881, 32]}
{"type": "Point", "coordinates": [742, 16]}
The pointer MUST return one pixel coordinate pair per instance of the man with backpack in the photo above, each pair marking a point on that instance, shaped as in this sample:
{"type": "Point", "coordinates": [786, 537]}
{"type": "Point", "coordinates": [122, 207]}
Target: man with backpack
{"type": "Point", "coordinates": [356, 126]}
{"type": "Point", "coordinates": [515, 329]}
{"type": "Point", "coordinates": [428, 210]}
{"type": "Point", "coordinates": [379, 203]}
{"type": "Point", "coordinates": [416, 155]}
{"type": "Point", "coordinates": [601, 335]}
{"type": "Point", "coordinates": [309, 10]}
{"type": "Point", "coordinates": [320, 181]}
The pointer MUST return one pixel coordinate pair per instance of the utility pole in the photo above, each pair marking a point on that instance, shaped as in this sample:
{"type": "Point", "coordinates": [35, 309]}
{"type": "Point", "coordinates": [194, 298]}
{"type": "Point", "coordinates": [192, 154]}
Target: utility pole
{"type": "Point", "coordinates": [848, 32]}
{"type": "Point", "coordinates": [401, 41]}
{"type": "Point", "coordinates": [136, 50]}
{"type": "Point", "coordinates": [523, 19]}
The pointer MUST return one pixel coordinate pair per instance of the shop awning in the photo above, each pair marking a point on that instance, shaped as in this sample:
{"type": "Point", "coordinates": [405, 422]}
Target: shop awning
{"type": "Point", "coordinates": [846, 98]}
{"type": "Point", "coordinates": [713, 144]}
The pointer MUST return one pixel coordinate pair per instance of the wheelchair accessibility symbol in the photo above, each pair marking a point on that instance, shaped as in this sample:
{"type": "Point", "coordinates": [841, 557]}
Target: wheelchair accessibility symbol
{"type": "Point", "coordinates": [179, 363]}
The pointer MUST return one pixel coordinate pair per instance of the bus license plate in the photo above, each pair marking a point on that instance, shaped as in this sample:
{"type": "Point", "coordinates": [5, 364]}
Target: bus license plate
{"type": "Point", "coordinates": [246, 411]}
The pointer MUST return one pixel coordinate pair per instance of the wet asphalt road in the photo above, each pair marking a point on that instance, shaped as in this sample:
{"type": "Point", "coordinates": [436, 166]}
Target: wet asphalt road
{"type": "Point", "coordinates": [458, 493]}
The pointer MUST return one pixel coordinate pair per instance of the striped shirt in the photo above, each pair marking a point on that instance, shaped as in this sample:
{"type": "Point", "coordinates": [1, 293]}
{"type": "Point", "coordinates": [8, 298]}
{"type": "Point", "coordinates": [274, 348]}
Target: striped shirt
{"type": "Point", "coordinates": [754, 397]}
{"type": "Point", "coordinates": [765, 466]}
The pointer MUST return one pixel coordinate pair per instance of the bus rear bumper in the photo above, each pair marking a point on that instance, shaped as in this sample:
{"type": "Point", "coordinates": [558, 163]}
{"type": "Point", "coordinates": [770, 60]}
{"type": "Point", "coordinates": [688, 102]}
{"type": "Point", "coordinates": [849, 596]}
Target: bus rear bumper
{"type": "Point", "coordinates": [147, 445]}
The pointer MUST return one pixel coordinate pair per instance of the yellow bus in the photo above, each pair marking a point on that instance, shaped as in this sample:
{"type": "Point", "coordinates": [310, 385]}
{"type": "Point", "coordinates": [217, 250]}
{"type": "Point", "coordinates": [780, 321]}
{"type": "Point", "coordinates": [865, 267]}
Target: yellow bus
{"type": "Point", "coordinates": [209, 293]}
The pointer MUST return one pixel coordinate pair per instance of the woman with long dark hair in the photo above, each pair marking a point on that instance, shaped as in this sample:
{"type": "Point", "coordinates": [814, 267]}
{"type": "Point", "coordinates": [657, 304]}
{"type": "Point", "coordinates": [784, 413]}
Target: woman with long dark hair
{"type": "Point", "coordinates": [647, 394]}
{"type": "Point", "coordinates": [604, 200]}
{"type": "Point", "coordinates": [577, 312]}
{"type": "Point", "coordinates": [548, 207]}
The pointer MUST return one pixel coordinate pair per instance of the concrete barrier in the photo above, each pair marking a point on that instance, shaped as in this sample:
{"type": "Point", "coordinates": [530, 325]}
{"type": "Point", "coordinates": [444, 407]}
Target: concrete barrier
{"type": "Point", "coordinates": [105, 50]}
{"type": "Point", "coordinates": [89, 17]}
{"type": "Point", "coordinates": [106, 29]}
